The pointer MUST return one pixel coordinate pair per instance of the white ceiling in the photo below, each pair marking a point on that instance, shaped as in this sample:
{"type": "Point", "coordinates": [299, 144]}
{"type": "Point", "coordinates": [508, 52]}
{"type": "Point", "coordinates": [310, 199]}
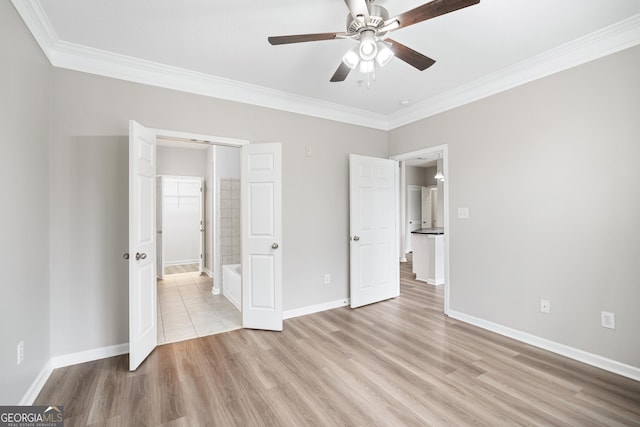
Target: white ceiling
{"type": "Point", "coordinates": [473, 47]}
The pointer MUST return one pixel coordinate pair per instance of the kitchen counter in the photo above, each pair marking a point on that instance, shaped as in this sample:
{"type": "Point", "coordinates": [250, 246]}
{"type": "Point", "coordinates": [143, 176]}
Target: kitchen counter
{"type": "Point", "coordinates": [436, 230]}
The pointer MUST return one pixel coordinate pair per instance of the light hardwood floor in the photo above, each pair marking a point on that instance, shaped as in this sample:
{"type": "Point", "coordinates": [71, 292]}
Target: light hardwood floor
{"type": "Point", "coordinates": [399, 362]}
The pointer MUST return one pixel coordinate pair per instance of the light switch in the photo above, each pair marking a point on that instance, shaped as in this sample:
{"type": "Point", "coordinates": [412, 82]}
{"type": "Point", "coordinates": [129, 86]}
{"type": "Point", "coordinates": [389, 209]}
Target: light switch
{"type": "Point", "coordinates": [307, 151]}
{"type": "Point", "coordinates": [463, 213]}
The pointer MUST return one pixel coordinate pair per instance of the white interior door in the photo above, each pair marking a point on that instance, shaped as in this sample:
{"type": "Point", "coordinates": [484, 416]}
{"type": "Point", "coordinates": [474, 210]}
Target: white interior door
{"type": "Point", "coordinates": [261, 213]}
{"type": "Point", "coordinates": [143, 326]}
{"type": "Point", "coordinates": [427, 207]}
{"type": "Point", "coordinates": [373, 189]}
{"type": "Point", "coordinates": [159, 253]}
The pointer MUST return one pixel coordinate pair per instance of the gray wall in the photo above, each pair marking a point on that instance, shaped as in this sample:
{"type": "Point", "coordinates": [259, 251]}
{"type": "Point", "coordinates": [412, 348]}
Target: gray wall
{"type": "Point", "coordinates": [25, 78]}
{"type": "Point", "coordinates": [416, 176]}
{"type": "Point", "coordinates": [181, 161]}
{"type": "Point", "coordinates": [89, 134]}
{"type": "Point", "coordinates": [572, 237]}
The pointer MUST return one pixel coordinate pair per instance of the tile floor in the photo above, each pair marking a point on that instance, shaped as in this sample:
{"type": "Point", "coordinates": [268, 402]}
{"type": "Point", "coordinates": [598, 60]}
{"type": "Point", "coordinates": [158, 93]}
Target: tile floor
{"type": "Point", "coordinates": [187, 309]}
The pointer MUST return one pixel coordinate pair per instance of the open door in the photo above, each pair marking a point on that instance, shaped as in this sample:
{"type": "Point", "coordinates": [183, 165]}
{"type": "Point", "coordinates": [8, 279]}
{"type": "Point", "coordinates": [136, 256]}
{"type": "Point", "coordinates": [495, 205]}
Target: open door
{"type": "Point", "coordinates": [143, 326]}
{"type": "Point", "coordinates": [261, 236]}
{"type": "Point", "coordinates": [373, 214]}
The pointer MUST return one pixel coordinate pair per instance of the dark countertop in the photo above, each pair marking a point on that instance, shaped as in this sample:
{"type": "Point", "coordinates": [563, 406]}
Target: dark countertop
{"type": "Point", "coordinates": [437, 230]}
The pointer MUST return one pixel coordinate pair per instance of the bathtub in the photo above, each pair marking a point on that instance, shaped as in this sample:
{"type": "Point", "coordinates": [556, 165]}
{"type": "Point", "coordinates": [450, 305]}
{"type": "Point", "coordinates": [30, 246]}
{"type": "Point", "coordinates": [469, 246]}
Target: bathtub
{"type": "Point", "coordinates": [231, 283]}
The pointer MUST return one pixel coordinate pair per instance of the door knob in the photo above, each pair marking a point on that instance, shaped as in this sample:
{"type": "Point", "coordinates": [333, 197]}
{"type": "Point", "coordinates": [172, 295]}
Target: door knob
{"type": "Point", "coordinates": [356, 238]}
{"type": "Point", "coordinates": [125, 255]}
{"type": "Point", "coordinates": [140, 256]}
{"type": "Point", "coordinates": [274, 246]}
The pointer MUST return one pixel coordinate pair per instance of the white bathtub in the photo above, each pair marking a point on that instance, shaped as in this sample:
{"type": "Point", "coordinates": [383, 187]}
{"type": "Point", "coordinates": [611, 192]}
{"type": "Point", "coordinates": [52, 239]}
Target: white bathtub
{"type": "Point", "coordinates": [231, 283]}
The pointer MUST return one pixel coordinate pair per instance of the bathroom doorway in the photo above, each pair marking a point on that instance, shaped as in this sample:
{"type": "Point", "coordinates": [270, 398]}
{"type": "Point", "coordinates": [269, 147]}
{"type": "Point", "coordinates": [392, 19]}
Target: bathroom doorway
{"type": "Point", "coordinates": [191, 205]}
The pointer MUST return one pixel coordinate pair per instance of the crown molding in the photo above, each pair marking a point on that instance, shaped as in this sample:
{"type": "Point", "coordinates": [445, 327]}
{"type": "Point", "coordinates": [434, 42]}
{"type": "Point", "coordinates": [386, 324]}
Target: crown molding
{"type": "Point", "coordinates": [89, 60]}
{"type": "Point", "coordinates": [617, 37]}
{"type": "Point", "coordinates": [38, 23]}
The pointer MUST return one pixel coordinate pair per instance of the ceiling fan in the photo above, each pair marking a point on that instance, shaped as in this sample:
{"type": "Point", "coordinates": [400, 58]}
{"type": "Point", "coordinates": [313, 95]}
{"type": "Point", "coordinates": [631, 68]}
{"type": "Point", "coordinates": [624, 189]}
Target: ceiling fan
{"type": "Point", "coordinates": [370, 25]}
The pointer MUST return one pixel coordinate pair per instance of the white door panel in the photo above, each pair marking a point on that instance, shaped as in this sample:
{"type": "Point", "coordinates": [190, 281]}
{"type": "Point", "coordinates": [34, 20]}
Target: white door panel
{"type": "Point", "coordinates": [373, 226]}
{"type": "Point", "coordinates": [261, 236]}
{"type": "Point", "coordinates": [143, 327]}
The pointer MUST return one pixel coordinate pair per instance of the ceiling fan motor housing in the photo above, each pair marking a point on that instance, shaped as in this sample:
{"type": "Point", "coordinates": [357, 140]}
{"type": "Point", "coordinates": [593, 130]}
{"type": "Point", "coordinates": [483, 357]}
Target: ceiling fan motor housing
{"type": "Point", "coordinates": [377, 17]}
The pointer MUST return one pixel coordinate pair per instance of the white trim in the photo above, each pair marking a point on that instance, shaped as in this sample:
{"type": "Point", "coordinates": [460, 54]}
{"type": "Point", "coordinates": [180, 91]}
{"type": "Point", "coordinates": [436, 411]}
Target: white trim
{"type": "Point", "coordinates": [605, 41]}
{"type": "Point", "coordinates": [608, 40]}
{"type": "Point", "coordinates": [303, 311]}
{"type": "Point", "coordinates": [38, 23]}
{"type": "Point", "coordinates": [68, 360]}
{"type": "Point", "coordinates": [187, 136]}
{"type": "Point", "coordinates": [208, 272]}
{"type": "Point", "coordinates": [95, 61]}
{"type": "Point", "coordinates": [182, 262]}
{"type": "Point", "coordinates": [552, 346]}
{"type": "Point", "coordinates": [89, 355]}
{"type": "Point", "coordinates": [37, 385]}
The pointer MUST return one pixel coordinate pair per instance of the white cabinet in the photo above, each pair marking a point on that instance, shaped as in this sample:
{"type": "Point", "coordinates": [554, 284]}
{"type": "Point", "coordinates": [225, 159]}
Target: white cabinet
{"type": "Point", "coordinates": [428, 258]}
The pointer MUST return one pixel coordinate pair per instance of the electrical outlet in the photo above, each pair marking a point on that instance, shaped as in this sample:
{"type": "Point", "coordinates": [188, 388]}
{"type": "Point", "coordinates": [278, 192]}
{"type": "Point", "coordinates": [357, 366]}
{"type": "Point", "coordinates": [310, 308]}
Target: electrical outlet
{"type": "Point", "coordinates": [545, 306]}
{"type": "Point", "coordinates": [20, 352]}
{"type": "Point", "coordinates": [327, 279]}
{"type": "Point", "coordinates": [608, 320]}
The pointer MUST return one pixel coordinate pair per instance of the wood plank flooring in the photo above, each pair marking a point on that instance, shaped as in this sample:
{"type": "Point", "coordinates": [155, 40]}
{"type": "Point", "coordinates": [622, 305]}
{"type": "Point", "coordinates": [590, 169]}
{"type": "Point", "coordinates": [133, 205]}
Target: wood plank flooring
{"type": "Point", "coordinates": [395, 363]}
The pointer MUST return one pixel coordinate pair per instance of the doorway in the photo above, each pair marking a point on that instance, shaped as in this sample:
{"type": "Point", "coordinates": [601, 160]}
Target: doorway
{"type": "Point", "coordinates": [261, 233]}
{"type": "Point", "coordinates": [190, 238]}
{"type": "Point", "coordinates": [429, 157]}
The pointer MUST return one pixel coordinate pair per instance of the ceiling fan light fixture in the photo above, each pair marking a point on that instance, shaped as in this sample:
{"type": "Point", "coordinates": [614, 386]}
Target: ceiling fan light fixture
{"type": "Point", "coordinates": [367, 66]}
{"type": "Point", "coordinates": [384, 56]}
{"type": "Point", "coordinates": [368, 47]}
{"type": "Point", "coordinates": [351, 58]}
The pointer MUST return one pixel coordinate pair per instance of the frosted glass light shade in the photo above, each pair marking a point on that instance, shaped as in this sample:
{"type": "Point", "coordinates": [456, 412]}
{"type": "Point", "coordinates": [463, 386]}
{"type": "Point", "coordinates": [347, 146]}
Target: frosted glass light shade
{"type": "Point", "coordinates": [367, 66]}
{"type": "Point", "coordinates": [351, 59]}
{"type": "Point", "coordinates": [384, 56]}
{"type": "Point", "coordinates": [368, 47]}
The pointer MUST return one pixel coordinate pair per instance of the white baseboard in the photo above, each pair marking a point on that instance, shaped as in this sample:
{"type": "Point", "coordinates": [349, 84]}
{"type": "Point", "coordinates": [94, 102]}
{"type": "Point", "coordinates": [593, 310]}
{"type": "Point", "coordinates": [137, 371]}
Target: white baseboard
{"type": "Point", "coordinates": [208, 272]}
{"type": "Point", "coordinates": [231, 299]}
{"type": "Point", "coordinates": [68, 360]}
{"type": "Point", "coordinates": [564, 350]}
{"type": "Point", "coordinates": [302, 311]}
{"type": "Point", "coordinates": [181, 262]}
{"type": "Point", "coordinates": [35, 388]}
{"type": "Point", "coordinates": [89, 355]}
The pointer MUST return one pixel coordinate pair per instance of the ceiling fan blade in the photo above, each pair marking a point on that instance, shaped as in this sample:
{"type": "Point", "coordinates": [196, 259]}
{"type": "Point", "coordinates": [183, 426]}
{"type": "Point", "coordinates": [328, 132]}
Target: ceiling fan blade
{"type": "Point", "coordinates": [431, 10]}
{"type": "Point", "coordinates": [300, 38]}
{"type": "Point", "coordinates": [410, 56]}
{"type": "Point", "coordinates": [359, 9]}
{"type": "Point", "coordinates": [341, 73]}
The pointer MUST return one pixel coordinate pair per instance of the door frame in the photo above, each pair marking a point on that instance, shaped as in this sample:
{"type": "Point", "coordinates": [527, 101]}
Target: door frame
{"type": "Point", "coordinates": [443, 150]}
{"type": "Point", "coordinates": [201, 212]}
